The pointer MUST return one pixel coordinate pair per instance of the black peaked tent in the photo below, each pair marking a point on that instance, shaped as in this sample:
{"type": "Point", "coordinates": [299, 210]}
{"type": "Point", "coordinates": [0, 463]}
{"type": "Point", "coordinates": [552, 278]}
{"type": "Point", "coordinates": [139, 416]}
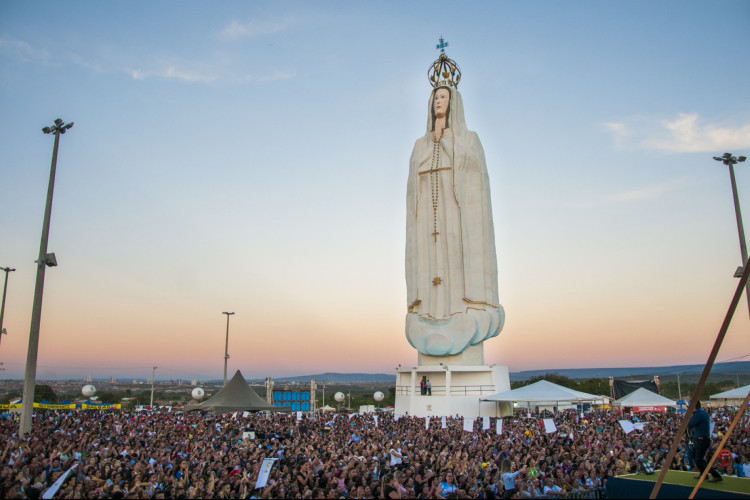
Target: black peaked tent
{"type": "Point", "coordinates": [621, 388]}
{"type": "Point", "coordinates": [237, 395]}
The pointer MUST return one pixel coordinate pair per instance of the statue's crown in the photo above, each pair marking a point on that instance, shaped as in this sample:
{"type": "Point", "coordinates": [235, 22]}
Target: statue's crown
{"type": "Point", "coordinates": [444, 71]}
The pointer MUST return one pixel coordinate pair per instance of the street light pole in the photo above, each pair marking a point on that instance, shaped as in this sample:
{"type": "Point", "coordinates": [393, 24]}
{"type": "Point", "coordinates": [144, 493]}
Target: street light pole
{"type": "Point", "coordinates": [45, 259]}
{"type": "Point", "coordinates": [2, 307]}
{"type": "Point", "coordinates": [226, 347]}
{"type": "Point", "coordinates": [153, 375]}
{"type": "Point", "coordinates": [729, 160]}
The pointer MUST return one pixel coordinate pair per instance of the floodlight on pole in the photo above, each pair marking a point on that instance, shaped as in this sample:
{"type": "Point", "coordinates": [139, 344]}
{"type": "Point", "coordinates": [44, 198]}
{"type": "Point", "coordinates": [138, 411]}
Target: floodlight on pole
{"type": "Point", "coordinates": [226, 347]}
{"type": "Point", "coordinates": [44, 260]}
{"type": "Point", "coordinates": [730, 160]}
{"type": "Point", "coordinates": [2, 306]}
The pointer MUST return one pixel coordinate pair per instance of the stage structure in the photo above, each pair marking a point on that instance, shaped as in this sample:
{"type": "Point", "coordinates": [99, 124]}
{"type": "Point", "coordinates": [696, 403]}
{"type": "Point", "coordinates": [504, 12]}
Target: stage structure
{"type": "Point", "coordinates": [296, 398]}
{"type": "Point", "coordinates": [451, 265]}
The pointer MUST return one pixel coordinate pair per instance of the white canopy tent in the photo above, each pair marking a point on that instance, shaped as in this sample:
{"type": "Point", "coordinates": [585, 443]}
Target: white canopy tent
{"type": "Point", "coordinates": [733, 396]}
{"type": "Point", "coordinates": [644, 397]}
{"type": "Point", "coordinates": [544, 393]}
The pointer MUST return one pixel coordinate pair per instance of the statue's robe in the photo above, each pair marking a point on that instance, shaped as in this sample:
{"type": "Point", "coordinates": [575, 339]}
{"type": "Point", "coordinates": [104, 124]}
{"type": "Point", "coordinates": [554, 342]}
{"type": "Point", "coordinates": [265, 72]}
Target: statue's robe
{"type": "Point", "coordinates": [451, 263]}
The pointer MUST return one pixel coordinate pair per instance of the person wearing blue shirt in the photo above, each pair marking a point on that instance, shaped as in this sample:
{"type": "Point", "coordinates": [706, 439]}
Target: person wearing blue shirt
{"type": "Point", "coordinates": [700, 424]}
{"type": "Point", "coordinates": [509, 478]}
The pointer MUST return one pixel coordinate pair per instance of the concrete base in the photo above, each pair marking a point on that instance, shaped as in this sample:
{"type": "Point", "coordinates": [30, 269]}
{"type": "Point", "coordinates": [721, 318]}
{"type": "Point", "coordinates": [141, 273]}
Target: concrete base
{"type": "Point", "coordinates": [456, 390]}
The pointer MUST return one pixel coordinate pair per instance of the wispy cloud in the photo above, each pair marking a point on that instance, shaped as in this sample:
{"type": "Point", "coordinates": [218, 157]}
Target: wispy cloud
{"type": "Point", "coordinates": [256, 28]}
{"type": "Point", "coordinates": [23, 50]}
{"type": "Point", "coordinates": [650, 192]}
{"type": "Point", "coordinates": [170, 71]}
{"type": "Point", "coordinates": [165, 67]}
{"type": "Point", "coordinates": [278, 75]}
{"type": "Point", "coordinates": [686, 133]}
{"type": "Point", "coordinates": [644, 193]}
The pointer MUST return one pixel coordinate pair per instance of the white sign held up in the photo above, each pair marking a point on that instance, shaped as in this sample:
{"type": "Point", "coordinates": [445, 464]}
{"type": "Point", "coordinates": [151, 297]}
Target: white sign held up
{"type": "Point", "coordinates": [265, 470]}
{"type": "Point", "coordinates": [549, 426]}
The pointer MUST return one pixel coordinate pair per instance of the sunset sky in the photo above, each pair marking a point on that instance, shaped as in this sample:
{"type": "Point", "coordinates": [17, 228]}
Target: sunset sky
{"type": "Point", "coordinates": [252, 157]}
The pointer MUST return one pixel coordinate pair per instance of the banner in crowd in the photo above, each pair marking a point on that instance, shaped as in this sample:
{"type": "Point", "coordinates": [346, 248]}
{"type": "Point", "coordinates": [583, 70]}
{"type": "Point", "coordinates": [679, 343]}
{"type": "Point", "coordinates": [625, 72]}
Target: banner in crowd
{"type": "Point", "coordinates": [40, 406]}
{"type": "Point", "coordinates": [56, 485]}
{"type": "Point", "coordinates": [627, 426]}
{"type": "Point", "coordinates": [71, 406]}
{"type": "Point", "coordinates": [265, 470]}
{"type": "Point", "coordinates": [485, 423]}
{"type": "Point", "coordinates": [117, 406]}
{"type": "Point", "coordinates": [499, 426]}
{"type": "Point", "coordinates": [443, 423]}
{"type": "Point", "coordinates": [427, 423]}
{"type": "Point", "coordinates": [468, 424]}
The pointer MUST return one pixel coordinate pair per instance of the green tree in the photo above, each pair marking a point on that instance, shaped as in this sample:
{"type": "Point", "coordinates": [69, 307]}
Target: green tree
{"type": "Point", "coordinates": [44, 392]}
{"type": "Point", "coordinates": [390, 397]}
{"type": "Point", "coordinates": [596, 386]}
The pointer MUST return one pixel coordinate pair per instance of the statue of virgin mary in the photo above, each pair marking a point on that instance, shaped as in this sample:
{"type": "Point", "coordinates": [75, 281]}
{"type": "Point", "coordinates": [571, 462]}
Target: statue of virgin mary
{"type": "Point", "coordinates": [451, 263]}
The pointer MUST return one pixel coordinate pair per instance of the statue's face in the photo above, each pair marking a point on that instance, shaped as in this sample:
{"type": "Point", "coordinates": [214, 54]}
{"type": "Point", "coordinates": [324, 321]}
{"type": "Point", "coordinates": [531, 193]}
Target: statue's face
{"type": "Point", "coordinates": [440, 102]}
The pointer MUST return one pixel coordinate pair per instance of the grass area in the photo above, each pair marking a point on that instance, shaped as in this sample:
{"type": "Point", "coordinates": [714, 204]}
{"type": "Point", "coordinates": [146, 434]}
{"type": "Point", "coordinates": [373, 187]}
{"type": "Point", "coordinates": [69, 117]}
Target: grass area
{"type": "Point", "coordinates": [733, 484]}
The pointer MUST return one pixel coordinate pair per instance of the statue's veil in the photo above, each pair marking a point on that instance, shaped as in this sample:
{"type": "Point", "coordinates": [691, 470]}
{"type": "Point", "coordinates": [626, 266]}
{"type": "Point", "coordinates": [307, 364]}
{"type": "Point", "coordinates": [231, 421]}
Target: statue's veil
{"type": "Point", "coordinates": [456, 119]}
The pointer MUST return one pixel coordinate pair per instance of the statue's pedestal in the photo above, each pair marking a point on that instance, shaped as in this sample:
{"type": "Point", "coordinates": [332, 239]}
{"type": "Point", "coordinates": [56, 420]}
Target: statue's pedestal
{"type": "Point", "coordinates": [456, 389]}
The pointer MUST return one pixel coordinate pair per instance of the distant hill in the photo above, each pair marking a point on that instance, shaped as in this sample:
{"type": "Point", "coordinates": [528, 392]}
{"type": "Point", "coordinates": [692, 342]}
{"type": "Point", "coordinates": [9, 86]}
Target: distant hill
{"type": "Point", "coordinates": [644, 372]}
{"type": "Point", "coordinates": [741, 367]}
{"type": "Point", "coordinates": [690, 373]}
{"type": "Point", "coordinates": [338, 378]}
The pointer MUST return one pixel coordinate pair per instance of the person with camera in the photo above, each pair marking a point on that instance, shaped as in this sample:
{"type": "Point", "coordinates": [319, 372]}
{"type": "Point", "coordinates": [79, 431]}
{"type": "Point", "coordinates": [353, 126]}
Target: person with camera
{"type": "Point", "coordinates": [700, 425]}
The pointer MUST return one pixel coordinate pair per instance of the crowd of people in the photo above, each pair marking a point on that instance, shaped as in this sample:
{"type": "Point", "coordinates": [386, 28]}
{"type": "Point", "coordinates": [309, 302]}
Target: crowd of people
{"type": "Point", "coordinates": [378, 455]}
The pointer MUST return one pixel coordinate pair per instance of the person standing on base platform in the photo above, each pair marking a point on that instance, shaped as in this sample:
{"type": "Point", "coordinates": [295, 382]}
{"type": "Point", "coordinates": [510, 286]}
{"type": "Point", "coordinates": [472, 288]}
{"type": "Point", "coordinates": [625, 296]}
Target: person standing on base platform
{"type": "Point", "coordinates": [700, 424]}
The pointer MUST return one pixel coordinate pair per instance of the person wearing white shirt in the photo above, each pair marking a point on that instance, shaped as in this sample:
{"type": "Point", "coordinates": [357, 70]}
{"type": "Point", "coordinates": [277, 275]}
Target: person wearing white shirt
{"type": "Point", "coordinates": [397, 457]}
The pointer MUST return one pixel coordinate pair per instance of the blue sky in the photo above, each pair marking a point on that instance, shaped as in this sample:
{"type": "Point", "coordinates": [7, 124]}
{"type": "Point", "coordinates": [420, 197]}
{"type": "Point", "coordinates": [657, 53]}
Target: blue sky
{"type": "Point", "coordinates": [253, 157]}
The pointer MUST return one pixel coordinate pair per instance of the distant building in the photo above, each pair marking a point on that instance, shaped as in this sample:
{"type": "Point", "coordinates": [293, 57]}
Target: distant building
{"type": "Point", "coordinates": [112, 380]}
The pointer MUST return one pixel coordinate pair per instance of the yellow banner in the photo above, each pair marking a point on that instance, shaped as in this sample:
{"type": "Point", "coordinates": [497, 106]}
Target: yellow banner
{"type": "Point", "coordinates": [117, 406]}
{"type": "Point", "coordinates": [72, 406]}
{"type": "Point", "coordinates": [55, 407]}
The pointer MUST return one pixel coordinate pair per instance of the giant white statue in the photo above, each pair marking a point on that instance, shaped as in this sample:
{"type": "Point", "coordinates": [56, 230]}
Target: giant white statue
{"type": "Point", "coordinates": [451, 263]}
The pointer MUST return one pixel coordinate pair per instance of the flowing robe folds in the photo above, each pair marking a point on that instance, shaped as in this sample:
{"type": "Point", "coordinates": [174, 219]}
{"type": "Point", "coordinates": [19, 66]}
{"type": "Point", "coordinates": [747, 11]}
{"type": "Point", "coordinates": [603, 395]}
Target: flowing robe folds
{"type": "Point", "coordinates": [451, 264]}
